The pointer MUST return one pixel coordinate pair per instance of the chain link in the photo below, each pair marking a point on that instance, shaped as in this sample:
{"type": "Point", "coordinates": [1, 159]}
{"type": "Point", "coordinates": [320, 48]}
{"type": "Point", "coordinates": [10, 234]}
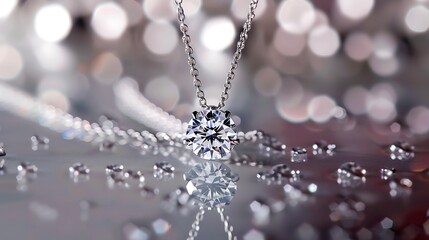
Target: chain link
{"type": "Point", "coordinates": [196, 225]}
{"type": "Point", "coordinates": [186, 39]}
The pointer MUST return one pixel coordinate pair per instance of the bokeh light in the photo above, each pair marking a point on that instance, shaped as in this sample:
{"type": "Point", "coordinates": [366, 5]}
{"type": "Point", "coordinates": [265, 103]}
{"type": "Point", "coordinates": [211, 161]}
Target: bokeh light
{"type": "Point", "coordinates": [54, 57]}
{"type": "Point", "coordinates": [7, 7]}
{"type": "Point", "coordinates": [56, 99]}
{"type": "Point", "coordinates": [160, 37]}
{"type": "Point", "coordinates": [358, 46]}
{"type": "Point", "coordinates": [289, 44]}
{"type": "Point", "coordinates": [191, 7]}
{"type": "Point", "coordinates": [160, 10]}
{"type": "Point", "coordinates": [11, 62]}
{"type": "Point", "coordinates": [321, 108]}
{"type": "Point", "coordinates": [355, 9]}
{"type": "Point", "coordinates": [240, 9]}
{"type": "Point", "coordinates": [384, 67]}
{"type": "Point", "coordinates": [218, 33]}
{"type": "Point", "coordinates": [296, 16]}
{"type": "Point", "coordinates": [52, 22]}
{"type": "Point", "coordinates": [356, 100]}
{"type": "Point", "coordinates": [294, 113]}
{"type": "Point", "coordinates": [418, 119]}
{"type": "Point", "coordinates": [417, 19]}
{"type": "Point", "coordinates": [109, 21]}
{"type": "Point", "coordinates": [384, 45]}
{"type": "Point", "coordinates": [106, 68]}
{"type": "Point", "coordinates": [166, 99]}
{"type": "Point", "coordinates": [324, 41]}
{"type": "Point", "coordinates": [267, 82]}
{"type": "Point", "coordinates": [381, 110]}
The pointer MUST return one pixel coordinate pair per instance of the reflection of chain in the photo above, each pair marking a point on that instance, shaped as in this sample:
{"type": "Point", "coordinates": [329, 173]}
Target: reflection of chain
{"type": "Point", "coordinates": [196, 224]}
{"type": "Point", "coordinates": [186, 39]}
{"type": "Point", "coordinates": [225, 220]}
{"type": "Point", "coordinates": [227, 226]}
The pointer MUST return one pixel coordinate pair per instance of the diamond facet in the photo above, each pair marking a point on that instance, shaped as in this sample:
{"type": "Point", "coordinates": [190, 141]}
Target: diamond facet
{"type": "Point", "coordinates": [211, 183]}
{"type": "Point", "coordinates": [211, 133]}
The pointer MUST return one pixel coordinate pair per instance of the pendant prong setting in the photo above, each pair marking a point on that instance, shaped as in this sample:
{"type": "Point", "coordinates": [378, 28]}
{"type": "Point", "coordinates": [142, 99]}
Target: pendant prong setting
{"type": "Point", "coordinates": [211, 133]}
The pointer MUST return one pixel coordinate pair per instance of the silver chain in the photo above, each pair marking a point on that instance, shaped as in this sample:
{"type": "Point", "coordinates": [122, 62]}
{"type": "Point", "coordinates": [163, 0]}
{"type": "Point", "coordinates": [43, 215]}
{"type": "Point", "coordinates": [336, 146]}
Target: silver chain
{"type": "Point", "coordinates": [186, 39]}
{"type": "Point", "coordinates": [196, 225]}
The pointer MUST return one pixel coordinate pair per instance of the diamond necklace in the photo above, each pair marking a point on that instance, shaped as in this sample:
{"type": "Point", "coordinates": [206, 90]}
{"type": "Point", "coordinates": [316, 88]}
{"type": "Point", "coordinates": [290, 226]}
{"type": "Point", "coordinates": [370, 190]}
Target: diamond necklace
{"type": "Point", "coordinates": [211, 132]}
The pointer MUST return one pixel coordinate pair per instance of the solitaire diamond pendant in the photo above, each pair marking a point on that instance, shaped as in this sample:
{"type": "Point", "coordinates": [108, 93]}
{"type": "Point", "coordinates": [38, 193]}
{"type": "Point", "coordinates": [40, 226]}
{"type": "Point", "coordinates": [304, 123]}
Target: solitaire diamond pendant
{"type": "Point", "coordinates": [211, 133]}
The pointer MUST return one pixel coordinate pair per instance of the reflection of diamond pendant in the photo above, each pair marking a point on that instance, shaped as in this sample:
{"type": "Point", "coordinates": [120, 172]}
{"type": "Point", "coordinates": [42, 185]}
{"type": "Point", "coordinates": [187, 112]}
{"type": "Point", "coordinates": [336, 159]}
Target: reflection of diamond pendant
{"type": "Point", "coordinates": [211, 133]}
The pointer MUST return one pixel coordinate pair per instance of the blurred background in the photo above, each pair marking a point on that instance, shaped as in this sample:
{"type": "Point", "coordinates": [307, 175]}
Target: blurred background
{"type": "Point", "coordinates": [305, 61]}
{"type": "Point", "coordinates": [352, 72]}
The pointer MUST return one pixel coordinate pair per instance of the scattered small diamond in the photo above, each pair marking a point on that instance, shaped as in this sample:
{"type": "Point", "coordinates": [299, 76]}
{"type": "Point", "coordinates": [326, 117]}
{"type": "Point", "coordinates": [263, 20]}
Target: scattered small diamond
{"type": "Point", "coordinates": [163, 171]}
{"type": "Point", "coordinates": [107, 145]}
{"type": "Point", "coordinates": [351, 174]}
{"type": "Point", "coordinates": [135, 175]}
{"type": "Point", "coordinates": [163, 167]}
{"type": "Point", "coordinates": [146, 191]}
{"type": "Point", "coordinates": [278, 173]}
{"type": "Point", "coordinates": [26, 167]}
{"type": "Point", "coordinates": [114, 168]}
{"type": "Point", "coordinates": [38, 142]}
{"type": "Point", "coordinates": [387, 173]}
{"type": "Point", "coordinates": [323, 147]}
{"type": "Point", "coordinates": [116, 179]}
{"type": "Point", "coordinates": [298, 154]}
{"type": "Point", "coordinates": [79, 169]}
{"type": "Point", "coordinates": [401, 151]}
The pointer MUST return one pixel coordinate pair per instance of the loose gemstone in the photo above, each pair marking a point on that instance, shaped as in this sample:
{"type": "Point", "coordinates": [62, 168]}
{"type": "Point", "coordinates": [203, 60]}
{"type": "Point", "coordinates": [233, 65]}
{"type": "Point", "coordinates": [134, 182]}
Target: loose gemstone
{"type": "Point", "coordinates": [211, 183]}
{"type": "Point", "coordinates": [114, 168]}
{"type": "Point", "coordinates": [146, 191]}
{"type": "Point", "coordinates": [322, 146]}
{"type": "Point", "coordinates": [26, 167]}
{"type": "Point", "coordinates": [351, 169]}
{"type": "Point", "coordinates": [163, 167]}
{"type": "Point", "coordinates": [36, 139]}
{"type": "Point", "coordinates": [211, 134]}
{"type": "Point", "coordinates": [401, 151]}
{"type": "Point", "coordinates": [79, 169]}
{"type": "Point", "coordinates": [134, 175]}
{"type": "Point", "coordinates": [387, 173]}
{"type": "Point", "coordinates": [39, 141]}
{"type": "Point", "coordinates": [351, 174]}
{"type": "Point", "coordinates": [298, 154]}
